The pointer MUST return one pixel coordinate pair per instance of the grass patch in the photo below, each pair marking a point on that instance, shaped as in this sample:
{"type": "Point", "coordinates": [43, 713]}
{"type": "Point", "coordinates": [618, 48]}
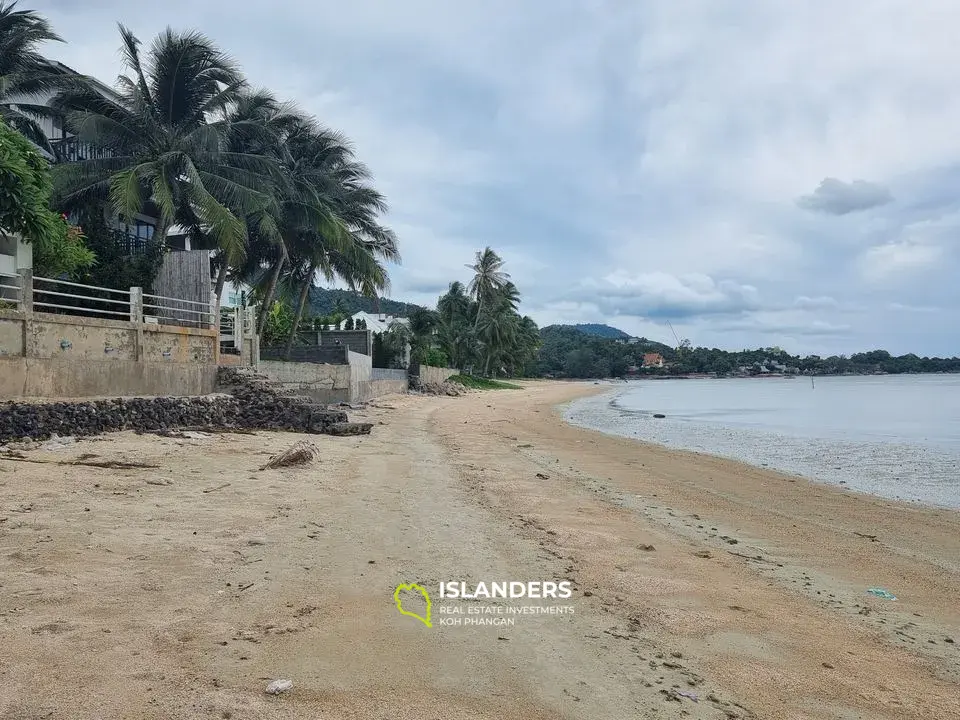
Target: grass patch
{"type": "Point", "coordinates": [476, 383]}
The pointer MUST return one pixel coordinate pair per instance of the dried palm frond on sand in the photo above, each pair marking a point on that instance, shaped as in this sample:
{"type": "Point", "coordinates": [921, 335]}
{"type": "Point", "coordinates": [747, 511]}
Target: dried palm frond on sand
{"type": "Point", "coordinates": [301, 453]}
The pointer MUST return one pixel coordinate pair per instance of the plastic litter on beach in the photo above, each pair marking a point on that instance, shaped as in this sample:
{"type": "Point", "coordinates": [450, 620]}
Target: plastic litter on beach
{"type": "Point", "coordinates": [279, 686]}
{"type": "Point", "coordinates": [881, 593]}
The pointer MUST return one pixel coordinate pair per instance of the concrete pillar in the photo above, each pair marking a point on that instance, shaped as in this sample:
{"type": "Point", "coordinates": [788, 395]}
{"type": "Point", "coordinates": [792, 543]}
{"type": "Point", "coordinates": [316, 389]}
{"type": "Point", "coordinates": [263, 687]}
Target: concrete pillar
{"type": "Point", "coordinates": [215, 314]}
{"type": "Point", "coordinates": [136, 317]}
{"type": "Point", "coordinates": [238, 327]}
{"type": "Point", "coordinates": [26, 290]}
{"type": "Point", "coordinates": [26, 307]}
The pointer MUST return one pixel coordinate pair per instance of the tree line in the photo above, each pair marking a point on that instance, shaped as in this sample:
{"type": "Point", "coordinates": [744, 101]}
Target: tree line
{"type": "Point", "coordinates": [475, 328]}
{"type": "Point", "coordinates": [182, 138]}
{"type": "Point", "coordinates": [569, 352]}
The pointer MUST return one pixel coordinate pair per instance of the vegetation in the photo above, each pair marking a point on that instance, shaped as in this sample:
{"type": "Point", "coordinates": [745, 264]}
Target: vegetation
{"type": "Point", "coordinates": [183, 139]}
{"type": "Point", "coordinates": [478, 383]}
{"type": "Point", "coordinates": [25, 189]}
{"type": "Point", "coordinates": [603, 331]}
{"type": "Point", "coordinates": [323, 300]}
{"type": "Point", "coordinates": [568, 352]}
{"type": "Point", "coordinates": [476, 328]}
{"type": "Point", "coordinates": [24, 71]}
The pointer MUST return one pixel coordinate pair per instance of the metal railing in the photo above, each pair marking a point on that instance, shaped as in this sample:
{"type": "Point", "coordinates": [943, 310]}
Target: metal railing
{"type": "Point", "coordinates": [68, 298]}
{"type": "Point", "coordinates": [174, 311]}
{"type": "Point", "coordinates": [11, 291]}
{"type": "Point", "coordinates": [73, 150]}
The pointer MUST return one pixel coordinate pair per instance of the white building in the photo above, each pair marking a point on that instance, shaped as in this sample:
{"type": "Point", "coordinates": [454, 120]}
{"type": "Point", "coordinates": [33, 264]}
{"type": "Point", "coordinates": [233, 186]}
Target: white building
{"type": "Point", "coordinates": [378, 322]}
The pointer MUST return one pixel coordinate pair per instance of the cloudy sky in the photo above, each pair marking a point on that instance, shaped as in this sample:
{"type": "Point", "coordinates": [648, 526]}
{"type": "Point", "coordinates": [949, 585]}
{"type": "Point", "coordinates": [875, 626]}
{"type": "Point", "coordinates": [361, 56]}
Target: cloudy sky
{"type": "Point", "coordinates": [757, 173]}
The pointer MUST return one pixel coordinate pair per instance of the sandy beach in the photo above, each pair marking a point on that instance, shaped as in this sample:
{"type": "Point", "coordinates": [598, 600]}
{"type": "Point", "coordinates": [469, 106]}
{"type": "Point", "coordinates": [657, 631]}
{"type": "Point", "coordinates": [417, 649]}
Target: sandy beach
{"type": "Point", "coordinates": [703, 588]}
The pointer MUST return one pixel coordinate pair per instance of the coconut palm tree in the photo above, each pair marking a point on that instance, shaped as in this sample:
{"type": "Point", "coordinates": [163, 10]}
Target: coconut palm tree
{"type": "Point", "coordinates": [24, 72]}
{"type": "Point", "coordinates": [488, 278]}
{"type": "Point", "coordinates": [455, 329]}
{"type": "Point", "coordinates": [329, 222]}
{"type": "Point", "coordinates": [164, 134]}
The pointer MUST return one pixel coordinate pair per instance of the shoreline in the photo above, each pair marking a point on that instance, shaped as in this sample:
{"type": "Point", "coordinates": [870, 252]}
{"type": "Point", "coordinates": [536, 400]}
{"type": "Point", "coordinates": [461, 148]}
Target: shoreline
{"type": "Point", "coordinates": [703, 589]}
{"type": "Point", "coordinates": [742, 445]}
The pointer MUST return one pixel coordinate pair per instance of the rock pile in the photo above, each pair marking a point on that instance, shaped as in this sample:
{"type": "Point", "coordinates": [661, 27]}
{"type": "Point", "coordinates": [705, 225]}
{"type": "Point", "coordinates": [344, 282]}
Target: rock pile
{"type": "Point", "coordinates": [40, 421]}
{"type": "Point", "coordinates": [247, 401]}
{"type": "Point", "coordinates": [444, 388]}
{"type": "Point", "coordinates": [262, 404]}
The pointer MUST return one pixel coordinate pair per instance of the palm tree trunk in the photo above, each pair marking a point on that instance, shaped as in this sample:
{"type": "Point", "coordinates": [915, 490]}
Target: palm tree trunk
{"type": "Point", "coordinates": [221, 281]}
{"type": "Point", "coordinates": [268, 295]}
{"type": "Point", "coordinates": [301, 304]}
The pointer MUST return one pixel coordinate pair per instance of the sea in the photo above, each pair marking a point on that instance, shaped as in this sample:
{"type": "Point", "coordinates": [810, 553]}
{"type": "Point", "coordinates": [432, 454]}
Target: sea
{"type": "Point", "coordinates": [895, 436]}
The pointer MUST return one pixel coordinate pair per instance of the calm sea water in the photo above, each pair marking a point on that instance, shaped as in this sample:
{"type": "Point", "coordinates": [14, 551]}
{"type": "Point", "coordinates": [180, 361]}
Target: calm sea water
{"type": "Point", "coordinates": [897, 436]}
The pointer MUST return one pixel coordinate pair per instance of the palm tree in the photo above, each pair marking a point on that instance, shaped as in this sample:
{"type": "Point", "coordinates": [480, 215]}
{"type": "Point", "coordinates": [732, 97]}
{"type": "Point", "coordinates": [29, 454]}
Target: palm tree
{"type": "Point", "coordinates": [423, 323]}
{"type": "Point", "coordinates": [488, 278]}
{"type": "Point", "coordinates": [455, 330]}
{"type": "Point", "coordinates": [24, 72]}
{"type": "Point", "coordinates": [164, 133]}
{"type": "Point", "coordinates": [497, 332]}
{"type": "Point", "coordinates": [328, 218]}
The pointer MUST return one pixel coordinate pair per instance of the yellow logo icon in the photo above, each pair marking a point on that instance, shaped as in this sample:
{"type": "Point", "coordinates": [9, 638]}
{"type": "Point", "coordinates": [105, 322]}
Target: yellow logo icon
{"type": "Point", "coordinates": [414, 588]}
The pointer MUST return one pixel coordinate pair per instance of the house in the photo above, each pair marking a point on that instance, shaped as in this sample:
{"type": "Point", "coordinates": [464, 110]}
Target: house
{"type": "Point", "coordinates": [378, 322]}
{"type": "Point", "coordinates": [652, 360]}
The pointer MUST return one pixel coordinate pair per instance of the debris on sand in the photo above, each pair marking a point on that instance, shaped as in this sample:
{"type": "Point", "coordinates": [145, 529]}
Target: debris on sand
{"type": "Point", "coordinates": [301, 453]}
{"type": "Point", "coordinates": [279, 686]}
{"type": "Point", "coordinates": [445, 388]}
{"type": "Point", "coordinates": [349, 428]}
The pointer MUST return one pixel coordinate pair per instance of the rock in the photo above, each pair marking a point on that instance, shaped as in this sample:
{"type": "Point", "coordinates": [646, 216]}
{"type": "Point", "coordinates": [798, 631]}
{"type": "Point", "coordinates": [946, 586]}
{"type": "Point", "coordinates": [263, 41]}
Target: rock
{"type": "Point", "coordinates": [659, 415]}
{"type": "Point", "coordinates": [279, 686]}
{"type": "Point", "coordinates": [646, 548]}
{"type": "Point", "coordinates": [349, 428]}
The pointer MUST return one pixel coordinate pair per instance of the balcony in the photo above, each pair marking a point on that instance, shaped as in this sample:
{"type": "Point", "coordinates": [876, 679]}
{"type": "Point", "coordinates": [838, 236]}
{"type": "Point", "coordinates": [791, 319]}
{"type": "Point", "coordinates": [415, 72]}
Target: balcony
{"type": "Point", "coordinates": [72, 150]}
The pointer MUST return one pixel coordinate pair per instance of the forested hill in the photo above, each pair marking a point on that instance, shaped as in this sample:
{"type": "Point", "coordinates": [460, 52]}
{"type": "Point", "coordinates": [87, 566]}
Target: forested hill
{"type": "Point", "coordinates": [597, 330]}
{"type": "Point", "coordinates": [322, 301]}
{"type": "Point", "coordinates": [568, 351]}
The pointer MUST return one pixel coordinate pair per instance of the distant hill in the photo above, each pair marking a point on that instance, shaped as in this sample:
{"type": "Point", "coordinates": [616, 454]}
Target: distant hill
{"type": "Point", "coordinates": [322, 301]}
{"type": "Point", "coordinates": [597, 330]}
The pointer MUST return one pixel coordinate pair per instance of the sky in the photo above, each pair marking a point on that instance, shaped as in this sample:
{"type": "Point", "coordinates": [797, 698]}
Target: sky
{"type": "Point", "coordinates": [753, 173]}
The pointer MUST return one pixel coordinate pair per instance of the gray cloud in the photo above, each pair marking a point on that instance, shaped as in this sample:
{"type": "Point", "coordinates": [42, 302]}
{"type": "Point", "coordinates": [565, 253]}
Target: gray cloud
{"type": "Point", "coordinates": [668, 297]}
{"type": "Point", "coordinates": [835, 197]}
{"type": "Point", "coordinates": [815, 303]}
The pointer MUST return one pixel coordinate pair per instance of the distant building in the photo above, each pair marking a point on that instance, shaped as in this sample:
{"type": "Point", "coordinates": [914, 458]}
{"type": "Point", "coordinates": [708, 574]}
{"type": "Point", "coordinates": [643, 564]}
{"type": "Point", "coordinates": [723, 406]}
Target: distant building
{"type": "Point", "coordinates": [378, 322]}
{"type": "Point", "coordinates": [653, 360]}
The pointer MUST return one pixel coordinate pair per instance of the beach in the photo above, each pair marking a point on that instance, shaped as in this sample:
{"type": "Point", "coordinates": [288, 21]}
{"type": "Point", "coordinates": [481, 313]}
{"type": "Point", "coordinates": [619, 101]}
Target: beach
{"type": "Point", "coordinates": [702, 587]}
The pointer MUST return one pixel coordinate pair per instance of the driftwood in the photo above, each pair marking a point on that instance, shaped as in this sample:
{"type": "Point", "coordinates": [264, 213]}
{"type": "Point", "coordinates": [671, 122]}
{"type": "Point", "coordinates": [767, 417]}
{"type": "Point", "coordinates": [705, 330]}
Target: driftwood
{"type": "Point", "coordinates": [108, 464]}
{"type": "Point", "coordinates": [301, 453]}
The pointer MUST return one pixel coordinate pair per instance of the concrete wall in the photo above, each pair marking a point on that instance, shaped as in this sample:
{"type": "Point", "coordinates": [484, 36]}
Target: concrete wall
{"type": "Point", "coordinates": [48, 355]}
{"type": "Point", "coordinates": [434, 375]}
{"type": "Point", "coordinates": [321, 382]}
{"type": "Point", "coordinates": [362, 385]}
{"type": "Point", "coordinates": [332, 383]}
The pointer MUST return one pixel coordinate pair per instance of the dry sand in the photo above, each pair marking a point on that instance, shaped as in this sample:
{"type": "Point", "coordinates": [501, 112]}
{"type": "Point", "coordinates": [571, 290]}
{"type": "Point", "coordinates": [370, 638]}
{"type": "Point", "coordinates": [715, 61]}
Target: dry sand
{"type": "Point", "coordinates": [169, 593]}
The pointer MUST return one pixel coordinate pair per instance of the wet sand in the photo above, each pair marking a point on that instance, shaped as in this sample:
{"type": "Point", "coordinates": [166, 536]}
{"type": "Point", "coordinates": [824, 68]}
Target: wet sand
{"type": "Point", "coordinates": [703, 588]}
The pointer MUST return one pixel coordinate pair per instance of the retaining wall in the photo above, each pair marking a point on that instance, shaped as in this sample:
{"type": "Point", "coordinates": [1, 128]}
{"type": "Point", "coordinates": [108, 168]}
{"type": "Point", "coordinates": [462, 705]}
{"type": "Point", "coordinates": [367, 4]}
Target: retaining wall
{"type": "Point", "coordinates": [430, 375]}
{"type": "Point", "coordinates": [327, 383]}
{"type": "Point", "coordinates": [321, 382]}
{"type": "Point", "coordinates": [50, 355]}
